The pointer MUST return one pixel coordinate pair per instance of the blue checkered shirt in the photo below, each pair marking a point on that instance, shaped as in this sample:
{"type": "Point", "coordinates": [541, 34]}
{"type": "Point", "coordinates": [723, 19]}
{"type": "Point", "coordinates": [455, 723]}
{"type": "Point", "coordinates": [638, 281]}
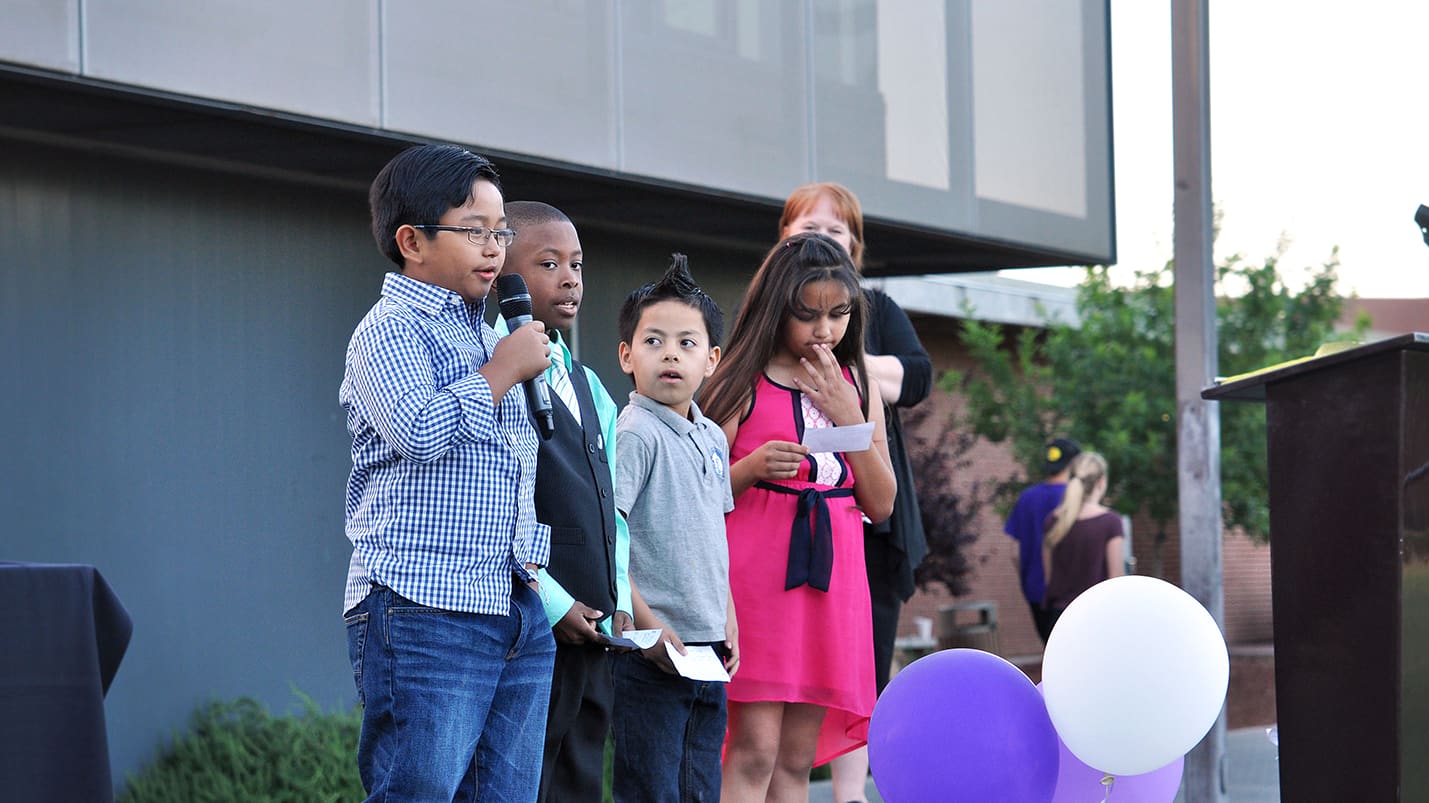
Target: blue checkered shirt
{"type": "Point", "coordinates": [440, 503]}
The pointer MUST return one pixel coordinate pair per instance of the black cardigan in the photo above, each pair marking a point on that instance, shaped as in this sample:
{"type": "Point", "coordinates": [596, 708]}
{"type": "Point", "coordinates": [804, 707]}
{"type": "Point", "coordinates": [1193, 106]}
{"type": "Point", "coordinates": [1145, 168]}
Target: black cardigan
{"type": "Point", "coordinates": [889, 332]}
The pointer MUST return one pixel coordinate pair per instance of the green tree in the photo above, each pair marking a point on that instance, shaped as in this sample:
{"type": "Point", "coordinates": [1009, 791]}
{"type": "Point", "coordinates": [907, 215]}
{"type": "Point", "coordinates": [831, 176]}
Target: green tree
{"type": "Point", "coordinates": [1110, 382]}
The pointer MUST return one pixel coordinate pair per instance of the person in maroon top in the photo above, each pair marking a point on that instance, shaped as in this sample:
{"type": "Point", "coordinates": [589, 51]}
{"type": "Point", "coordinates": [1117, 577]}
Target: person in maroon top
{"type": "Point", "coordinates": [1083, 541]}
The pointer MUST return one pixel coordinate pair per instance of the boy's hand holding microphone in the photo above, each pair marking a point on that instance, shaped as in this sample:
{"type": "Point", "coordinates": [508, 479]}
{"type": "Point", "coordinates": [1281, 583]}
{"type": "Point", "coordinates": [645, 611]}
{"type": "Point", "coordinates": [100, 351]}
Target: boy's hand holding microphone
{"type": "Point", "coordinates": [524, 354]}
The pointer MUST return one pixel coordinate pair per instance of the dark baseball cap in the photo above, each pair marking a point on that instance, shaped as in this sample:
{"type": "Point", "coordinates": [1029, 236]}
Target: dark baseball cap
{"type": "Point", "coordinates": [1058, 453]}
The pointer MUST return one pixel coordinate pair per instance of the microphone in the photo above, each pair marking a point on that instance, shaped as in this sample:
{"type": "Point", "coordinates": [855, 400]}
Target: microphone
{"type": "Point", "coordinates": [515, 303]}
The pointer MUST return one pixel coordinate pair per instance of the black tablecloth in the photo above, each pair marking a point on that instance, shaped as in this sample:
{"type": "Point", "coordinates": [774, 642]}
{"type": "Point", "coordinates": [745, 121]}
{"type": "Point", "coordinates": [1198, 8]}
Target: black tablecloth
{"type": "Point", "coordinates": [62, 636]}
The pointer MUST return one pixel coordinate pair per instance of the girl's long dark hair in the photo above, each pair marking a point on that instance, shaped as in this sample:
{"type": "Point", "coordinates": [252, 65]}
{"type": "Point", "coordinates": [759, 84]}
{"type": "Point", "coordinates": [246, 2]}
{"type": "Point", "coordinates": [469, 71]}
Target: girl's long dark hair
{"type": "Point", "coordinates": [776, 292]}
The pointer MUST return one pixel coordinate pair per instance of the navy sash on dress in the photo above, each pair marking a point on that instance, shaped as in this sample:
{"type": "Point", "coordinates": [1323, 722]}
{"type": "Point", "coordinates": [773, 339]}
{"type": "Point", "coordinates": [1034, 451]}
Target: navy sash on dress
{"type": "Point", "coordinates": [811, 540]}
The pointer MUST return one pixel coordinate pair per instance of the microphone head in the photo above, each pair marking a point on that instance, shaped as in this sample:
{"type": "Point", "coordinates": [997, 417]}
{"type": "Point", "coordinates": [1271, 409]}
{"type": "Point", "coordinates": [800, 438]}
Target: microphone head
{"type": "Point", "coordinates": [512, 296]}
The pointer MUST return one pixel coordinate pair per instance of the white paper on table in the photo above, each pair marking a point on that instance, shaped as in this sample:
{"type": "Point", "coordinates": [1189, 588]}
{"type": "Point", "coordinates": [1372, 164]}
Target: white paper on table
{"type": "Point", "coordinates": [698, 663]}
{"type": "Point", "coordinates": [639, 639]}
{"type": "Point", "coordinates": [853, 438]}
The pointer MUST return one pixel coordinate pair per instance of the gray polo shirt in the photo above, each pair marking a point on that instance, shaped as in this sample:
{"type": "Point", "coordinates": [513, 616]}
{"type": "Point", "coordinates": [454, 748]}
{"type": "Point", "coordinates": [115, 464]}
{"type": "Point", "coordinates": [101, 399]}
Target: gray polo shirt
{"type": "Point", "coordinates": [672, 484]}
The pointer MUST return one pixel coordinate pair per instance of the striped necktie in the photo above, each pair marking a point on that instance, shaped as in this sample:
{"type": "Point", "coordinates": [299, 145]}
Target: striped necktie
{"type": "Point", "coordinates": [561, 384]}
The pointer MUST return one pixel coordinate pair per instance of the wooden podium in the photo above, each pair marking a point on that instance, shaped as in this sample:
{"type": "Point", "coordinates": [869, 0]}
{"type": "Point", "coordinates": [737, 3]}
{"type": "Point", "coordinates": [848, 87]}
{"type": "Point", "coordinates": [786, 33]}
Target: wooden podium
{"type": "Point", "coordinates": [1348, 443]}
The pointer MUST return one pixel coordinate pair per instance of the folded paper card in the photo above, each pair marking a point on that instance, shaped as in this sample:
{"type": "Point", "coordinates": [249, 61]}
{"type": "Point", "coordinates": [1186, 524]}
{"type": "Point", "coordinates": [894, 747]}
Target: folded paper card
{"type": "Point", "coordinates": [636, 639]}
{"type": "Point", "coordinates": [854, 438]}
{"type": "Point", "coordinates": [698, 663]}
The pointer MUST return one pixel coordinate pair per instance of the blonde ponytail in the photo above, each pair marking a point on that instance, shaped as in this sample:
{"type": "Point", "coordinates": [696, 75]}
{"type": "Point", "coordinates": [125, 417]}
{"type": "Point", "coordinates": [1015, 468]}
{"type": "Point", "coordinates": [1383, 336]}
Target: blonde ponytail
{"type": "Point", "coordinates": [1088, 468]}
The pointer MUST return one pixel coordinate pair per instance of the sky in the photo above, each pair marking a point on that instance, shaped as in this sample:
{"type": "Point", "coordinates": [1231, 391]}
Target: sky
{"type": "Point", "coordinates": [1319, 137]}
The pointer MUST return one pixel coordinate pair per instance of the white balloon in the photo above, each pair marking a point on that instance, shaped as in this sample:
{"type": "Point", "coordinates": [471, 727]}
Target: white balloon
{"type": "Point", "coordinates": [1134, 674]}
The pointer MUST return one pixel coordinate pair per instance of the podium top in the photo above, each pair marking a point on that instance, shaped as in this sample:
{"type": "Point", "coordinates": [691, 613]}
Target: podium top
{"type": "Point", "coordinates": [1252, 388]}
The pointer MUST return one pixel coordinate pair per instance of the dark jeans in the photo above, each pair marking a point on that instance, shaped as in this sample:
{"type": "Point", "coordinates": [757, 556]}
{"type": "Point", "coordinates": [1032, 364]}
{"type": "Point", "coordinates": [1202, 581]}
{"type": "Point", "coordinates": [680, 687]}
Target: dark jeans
{"type": "Point", "coordinates": [1043, 619]}
{"type": "Point", "coordinates": [1052, 615]}
{"type": "Point", "coordinates": [582, 695]}
{"type": "Point", "coordinates": [669, 732]}
{"type": "Point", "coordinates": [454, 704]}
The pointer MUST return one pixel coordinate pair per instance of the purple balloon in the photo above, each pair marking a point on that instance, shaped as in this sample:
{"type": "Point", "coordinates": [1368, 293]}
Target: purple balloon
{"type": "Point", "coordinates": [1078, 783]}
{"type": "Point", "coordinates": [962, 725]}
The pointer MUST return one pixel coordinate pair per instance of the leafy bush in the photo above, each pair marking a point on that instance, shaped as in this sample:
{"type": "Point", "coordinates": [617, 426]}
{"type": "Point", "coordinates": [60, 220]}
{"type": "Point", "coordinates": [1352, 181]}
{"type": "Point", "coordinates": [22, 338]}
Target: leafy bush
{"type": "Point", "coordinates": [936, 455]}
{"type": "Point", "coordinates": [237, 751]}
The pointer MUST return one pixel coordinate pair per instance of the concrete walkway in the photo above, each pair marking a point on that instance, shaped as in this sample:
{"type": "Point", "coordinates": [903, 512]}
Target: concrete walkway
{"type": "Point", "coordinates": [1252, 774]}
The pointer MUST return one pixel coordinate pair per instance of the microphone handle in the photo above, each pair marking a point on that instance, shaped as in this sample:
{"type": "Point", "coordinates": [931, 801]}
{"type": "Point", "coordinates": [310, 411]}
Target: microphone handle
{"type": "Point", "coordinates": [515, 303]}
{"type": "Point", "coordinates": [539, 394]}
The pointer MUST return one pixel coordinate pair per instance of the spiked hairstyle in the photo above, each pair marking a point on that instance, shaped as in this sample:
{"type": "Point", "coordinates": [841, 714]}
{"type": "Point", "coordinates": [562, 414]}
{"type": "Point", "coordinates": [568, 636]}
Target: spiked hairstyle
{"type": "Point", "coordinates": [676, 285]}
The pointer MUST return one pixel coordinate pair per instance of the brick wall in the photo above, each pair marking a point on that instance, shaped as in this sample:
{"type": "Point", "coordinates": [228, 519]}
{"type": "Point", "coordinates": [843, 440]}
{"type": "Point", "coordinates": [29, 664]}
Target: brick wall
{"type": "Point", "coordinates": [1245, 566]}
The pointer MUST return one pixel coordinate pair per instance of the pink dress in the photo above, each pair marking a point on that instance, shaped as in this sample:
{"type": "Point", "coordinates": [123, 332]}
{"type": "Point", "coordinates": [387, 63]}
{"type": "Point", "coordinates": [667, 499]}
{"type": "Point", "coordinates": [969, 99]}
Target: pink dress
{"type": "Point", "coordinates": [801, 644]}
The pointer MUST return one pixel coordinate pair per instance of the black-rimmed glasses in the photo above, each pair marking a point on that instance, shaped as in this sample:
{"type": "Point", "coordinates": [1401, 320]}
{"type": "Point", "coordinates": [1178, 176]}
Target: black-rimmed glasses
{"type": "Point", "coordinates": [478, 235]}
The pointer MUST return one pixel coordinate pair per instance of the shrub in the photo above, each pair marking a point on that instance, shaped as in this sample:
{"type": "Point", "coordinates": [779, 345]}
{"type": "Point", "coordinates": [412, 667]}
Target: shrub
{"type": "Point", "coordinates": [238, 751]}
{"type": "Point", "coordinates": [937, 454]}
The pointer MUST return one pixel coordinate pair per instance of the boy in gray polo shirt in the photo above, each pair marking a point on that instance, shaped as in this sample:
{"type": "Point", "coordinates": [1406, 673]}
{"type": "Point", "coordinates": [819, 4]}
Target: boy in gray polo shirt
{"type": "Point", "coordinates": [672, 484]}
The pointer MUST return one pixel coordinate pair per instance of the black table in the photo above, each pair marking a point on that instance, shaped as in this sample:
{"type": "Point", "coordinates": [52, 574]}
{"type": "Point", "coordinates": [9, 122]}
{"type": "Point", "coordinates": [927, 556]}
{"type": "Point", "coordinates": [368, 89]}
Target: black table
{"type": "Point", "coordinates": [63, 633]}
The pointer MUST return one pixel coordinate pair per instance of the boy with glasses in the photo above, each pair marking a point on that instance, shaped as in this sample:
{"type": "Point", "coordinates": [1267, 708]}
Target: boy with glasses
{"type": "Point", "coordinates": [449, 644]}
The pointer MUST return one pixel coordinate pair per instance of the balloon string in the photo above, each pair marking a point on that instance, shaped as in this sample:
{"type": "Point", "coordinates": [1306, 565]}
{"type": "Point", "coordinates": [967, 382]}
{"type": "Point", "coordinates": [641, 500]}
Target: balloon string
{"type": "Point", "coordinates": [1108, 781]}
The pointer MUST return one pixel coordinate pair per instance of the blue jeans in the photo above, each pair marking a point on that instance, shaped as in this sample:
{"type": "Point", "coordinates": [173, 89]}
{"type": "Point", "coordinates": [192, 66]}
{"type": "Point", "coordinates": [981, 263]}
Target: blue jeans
{"type": "Point", "coordinates": [669, 733]}
{"type": "Point", "coordinates": [454, 704]}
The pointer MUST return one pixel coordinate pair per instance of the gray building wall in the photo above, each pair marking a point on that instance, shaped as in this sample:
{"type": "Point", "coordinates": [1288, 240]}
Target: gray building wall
{"type": "Point", "coordinates": [174, 343]}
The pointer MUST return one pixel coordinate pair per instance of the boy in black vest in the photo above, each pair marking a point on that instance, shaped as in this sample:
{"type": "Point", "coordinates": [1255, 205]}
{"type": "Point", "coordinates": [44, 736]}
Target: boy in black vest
{"type": "Point", "coordinates": [586, 587]}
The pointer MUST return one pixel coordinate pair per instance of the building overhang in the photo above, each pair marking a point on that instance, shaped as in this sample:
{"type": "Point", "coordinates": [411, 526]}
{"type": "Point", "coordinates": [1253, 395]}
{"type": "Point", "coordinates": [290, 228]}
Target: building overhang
{"type": "Point", "coordinates": [984, 297]}
{"type": "Point", "coordinates": [97, 116]}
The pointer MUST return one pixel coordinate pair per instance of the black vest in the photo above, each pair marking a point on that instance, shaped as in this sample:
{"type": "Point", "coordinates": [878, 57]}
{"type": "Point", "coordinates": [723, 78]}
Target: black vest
{"type": "Point", "coordinates": [574, 495]}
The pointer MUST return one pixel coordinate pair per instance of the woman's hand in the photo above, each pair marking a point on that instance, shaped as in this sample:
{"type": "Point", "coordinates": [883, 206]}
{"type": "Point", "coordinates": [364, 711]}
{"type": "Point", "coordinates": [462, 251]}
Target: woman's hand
{"type": "Point", "coordinates": [886, 371]}
{"type": "Point", "coordinates": [826, 387]}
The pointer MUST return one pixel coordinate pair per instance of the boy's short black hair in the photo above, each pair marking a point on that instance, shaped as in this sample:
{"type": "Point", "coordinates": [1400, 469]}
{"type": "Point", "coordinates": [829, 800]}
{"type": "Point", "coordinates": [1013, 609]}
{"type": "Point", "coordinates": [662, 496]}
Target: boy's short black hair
{"type": "Point", "coordinates": [532, 213]}
{"type": "Point", "coordinates": [420, 185]}
{"type": "Point", "coordinates": [676, 285]}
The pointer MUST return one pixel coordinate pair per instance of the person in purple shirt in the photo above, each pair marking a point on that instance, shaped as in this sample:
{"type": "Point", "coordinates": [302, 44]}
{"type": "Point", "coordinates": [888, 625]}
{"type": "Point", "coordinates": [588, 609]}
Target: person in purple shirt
{"type": "Point", "coordinates": [1026, 521]}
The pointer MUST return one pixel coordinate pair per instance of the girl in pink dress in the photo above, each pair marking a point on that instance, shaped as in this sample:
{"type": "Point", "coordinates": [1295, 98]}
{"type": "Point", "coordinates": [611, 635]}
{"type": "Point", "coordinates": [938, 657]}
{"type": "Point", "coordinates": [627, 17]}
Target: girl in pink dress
{"type": "Point", "coordinates": [805, 688]}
